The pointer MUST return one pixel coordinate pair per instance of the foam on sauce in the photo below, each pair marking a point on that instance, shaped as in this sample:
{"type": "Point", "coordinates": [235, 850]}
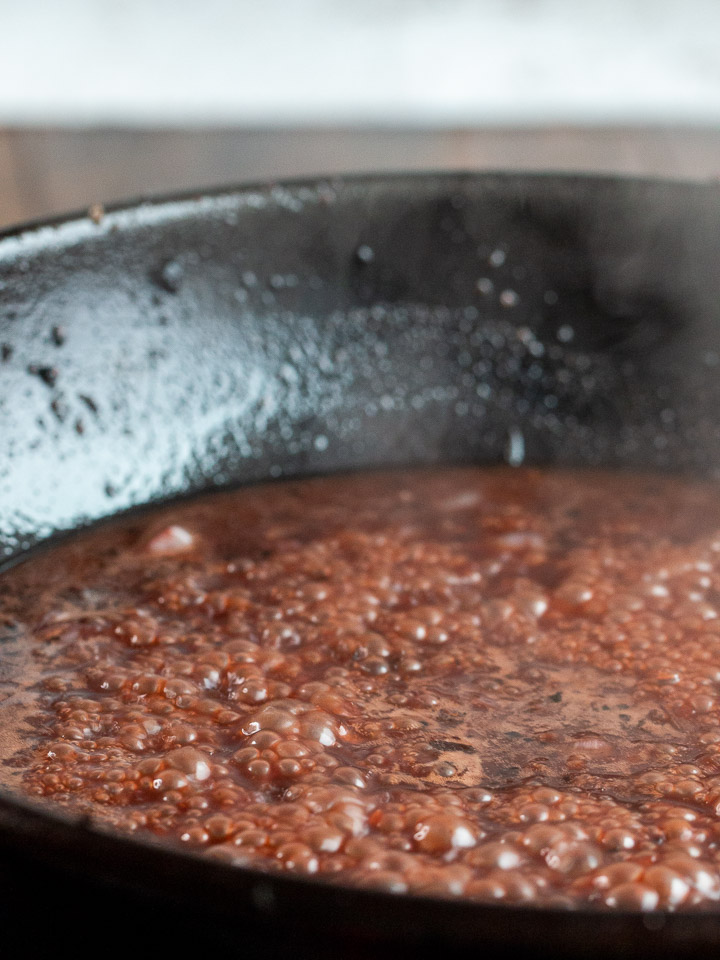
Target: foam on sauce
{"type": "Point", "coordinates": [485, 683]}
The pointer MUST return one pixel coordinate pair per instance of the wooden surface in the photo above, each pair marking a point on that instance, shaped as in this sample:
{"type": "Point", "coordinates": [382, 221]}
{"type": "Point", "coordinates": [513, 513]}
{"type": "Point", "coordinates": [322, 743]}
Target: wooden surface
{"type": "Point", "coordinates": [44, 172]}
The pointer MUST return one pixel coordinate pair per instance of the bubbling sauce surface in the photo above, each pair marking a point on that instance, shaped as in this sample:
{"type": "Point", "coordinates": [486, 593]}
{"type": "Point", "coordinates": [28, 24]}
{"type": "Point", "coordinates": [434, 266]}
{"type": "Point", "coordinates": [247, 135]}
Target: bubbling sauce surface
{"type": "Point", "coordinates": [495, 684]}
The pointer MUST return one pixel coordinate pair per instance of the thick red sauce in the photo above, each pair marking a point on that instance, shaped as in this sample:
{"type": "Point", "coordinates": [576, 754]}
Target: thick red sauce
{"type": "Point", "coordinates": [493, 684]}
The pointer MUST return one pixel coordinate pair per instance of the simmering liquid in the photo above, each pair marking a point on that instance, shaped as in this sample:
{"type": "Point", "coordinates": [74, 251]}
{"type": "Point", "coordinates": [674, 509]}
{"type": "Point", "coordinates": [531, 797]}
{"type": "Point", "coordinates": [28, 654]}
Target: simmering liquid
{"type": "Point", "coordinates": [502, 685]}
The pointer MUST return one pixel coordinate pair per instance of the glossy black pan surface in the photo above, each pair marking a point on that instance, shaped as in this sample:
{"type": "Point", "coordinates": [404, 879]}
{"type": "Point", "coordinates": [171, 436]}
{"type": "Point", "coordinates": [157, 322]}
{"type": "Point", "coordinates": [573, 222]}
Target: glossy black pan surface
{"type": "Point", "coordinates": [284, 330]}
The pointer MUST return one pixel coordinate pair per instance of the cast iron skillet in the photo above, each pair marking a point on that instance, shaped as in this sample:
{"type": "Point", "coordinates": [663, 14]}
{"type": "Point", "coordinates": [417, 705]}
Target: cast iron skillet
{"type": "Point", "coordinates": [302, 328]}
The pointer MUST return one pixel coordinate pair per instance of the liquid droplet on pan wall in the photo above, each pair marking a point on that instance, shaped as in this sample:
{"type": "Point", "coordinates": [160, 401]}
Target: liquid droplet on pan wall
{"type": "Point", "coordinates": [365, 253]}
{"type": "Point", "coordinates": [170, 276]}
{"type": "Point", "coordinates": [515, 448]}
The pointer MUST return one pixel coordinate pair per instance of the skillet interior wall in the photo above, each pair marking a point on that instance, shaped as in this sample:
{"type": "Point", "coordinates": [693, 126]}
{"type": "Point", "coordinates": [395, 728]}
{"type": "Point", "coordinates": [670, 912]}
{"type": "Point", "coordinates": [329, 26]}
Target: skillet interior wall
{"type": "Point", "coordinates": [294, 329]}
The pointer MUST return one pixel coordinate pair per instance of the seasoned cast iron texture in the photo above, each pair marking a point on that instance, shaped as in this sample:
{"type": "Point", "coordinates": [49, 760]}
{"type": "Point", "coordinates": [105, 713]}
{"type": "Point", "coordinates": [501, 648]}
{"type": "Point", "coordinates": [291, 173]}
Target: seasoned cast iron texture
{"type": "Point", "coordinates": [315, 327]}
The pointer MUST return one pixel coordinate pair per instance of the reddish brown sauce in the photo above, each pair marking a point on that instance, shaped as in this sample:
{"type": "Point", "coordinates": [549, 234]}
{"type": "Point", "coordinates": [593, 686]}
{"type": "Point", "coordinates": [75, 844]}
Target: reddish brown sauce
{"type": "Point", "coordinates": [493, 684]}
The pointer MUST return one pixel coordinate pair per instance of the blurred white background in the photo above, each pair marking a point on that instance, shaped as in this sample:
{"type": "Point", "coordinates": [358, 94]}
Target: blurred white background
{"type": "Point", "coordinates": [403, 62]}
{"type": "Point", "coordinates": [101, 100]}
